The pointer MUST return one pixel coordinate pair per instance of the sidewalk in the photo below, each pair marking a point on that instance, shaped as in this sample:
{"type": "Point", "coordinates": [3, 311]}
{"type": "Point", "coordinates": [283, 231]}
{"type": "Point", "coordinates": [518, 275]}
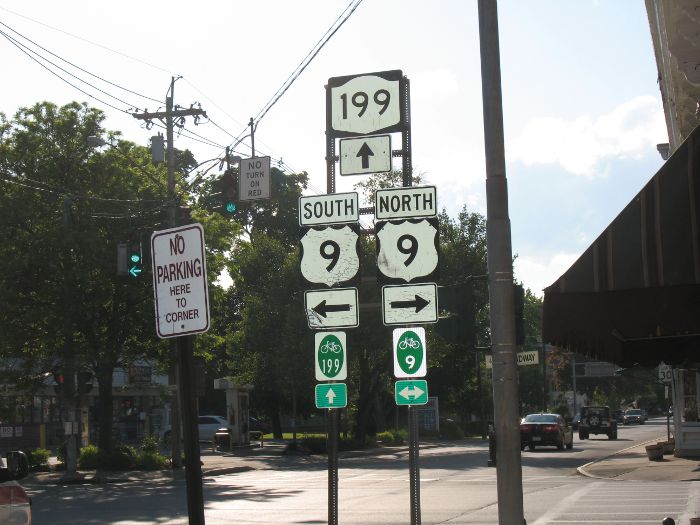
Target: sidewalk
{"type": "Point", "coordinates": [632, 464]}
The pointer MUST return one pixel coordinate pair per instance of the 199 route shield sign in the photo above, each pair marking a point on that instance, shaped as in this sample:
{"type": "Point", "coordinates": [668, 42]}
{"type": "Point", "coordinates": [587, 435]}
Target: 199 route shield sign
{"type": "Point", "coordinates": [180, 281]}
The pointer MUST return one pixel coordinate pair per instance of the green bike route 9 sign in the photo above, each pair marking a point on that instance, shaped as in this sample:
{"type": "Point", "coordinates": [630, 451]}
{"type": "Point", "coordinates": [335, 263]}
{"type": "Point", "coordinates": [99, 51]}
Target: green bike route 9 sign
{"type": "Point", "coordinates": [409, 352]}
{"type": "Point", "coordinates": [331, 361]}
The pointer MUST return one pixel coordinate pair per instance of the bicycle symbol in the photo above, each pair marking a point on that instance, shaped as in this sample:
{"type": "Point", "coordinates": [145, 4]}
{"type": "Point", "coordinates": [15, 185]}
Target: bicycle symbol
{"type": "Point", "coordinates": [330, 346]}
{"type": "Point", "coordinates": [409, 342]}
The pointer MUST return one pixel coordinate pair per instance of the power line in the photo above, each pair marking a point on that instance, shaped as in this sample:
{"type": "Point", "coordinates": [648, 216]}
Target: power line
{"type": "Point", "coordinates": [87, 41]}
{"type": "Point", "coordinates": [19, 46]}
{"type": "Point", "coordinates": [78, 67]}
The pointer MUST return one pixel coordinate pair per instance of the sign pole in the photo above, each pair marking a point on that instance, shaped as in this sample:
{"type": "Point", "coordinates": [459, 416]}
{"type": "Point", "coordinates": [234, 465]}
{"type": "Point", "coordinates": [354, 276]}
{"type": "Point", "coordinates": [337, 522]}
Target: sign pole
{"type": "Point", "coordinates": [188, 404]}
{"type": "Point", "coordinates": [414, 469]}
{"type": "Point", "coordinates": [332, 446]}
{"type": "Point", "coordinates": [509, 478]}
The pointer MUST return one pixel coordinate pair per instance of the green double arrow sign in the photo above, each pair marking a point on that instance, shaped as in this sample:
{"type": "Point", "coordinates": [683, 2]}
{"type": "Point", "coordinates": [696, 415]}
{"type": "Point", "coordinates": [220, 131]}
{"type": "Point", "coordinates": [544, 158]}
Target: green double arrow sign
{"type": "Point", "coordinates": [331, 395]}
{"type": "Point", "coordinates": [411, 392]}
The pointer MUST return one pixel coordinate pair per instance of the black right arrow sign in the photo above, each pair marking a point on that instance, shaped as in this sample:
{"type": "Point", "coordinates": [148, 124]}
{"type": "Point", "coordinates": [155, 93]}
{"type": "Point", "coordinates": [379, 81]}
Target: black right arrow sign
{"type": "Point", "coordinates": [418, 303]}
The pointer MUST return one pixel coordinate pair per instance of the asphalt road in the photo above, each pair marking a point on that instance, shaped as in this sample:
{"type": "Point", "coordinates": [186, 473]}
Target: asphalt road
{"type": "Point", "coordinates": [456, 487]}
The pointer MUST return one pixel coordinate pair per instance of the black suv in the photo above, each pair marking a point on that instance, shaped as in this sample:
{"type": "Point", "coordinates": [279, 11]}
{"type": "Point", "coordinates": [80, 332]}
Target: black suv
{"type": "Point", "coordinates": [597, 420]}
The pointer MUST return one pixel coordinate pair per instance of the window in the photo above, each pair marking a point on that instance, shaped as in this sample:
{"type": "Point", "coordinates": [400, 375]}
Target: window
{"type": "Point", "coordinates": [690, 395]}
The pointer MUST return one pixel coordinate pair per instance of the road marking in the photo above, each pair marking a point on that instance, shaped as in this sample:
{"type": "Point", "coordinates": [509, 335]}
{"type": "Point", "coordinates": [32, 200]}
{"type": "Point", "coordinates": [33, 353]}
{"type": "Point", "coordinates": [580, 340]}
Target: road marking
{"type": "Point", "coordinates": [566, 503]}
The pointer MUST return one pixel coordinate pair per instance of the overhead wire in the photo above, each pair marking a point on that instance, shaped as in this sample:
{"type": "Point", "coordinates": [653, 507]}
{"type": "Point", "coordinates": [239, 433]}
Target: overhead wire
{"type": "Point", "coordinates": [20, 47]}
{"type": "Point", "coordinates": [78, 67]}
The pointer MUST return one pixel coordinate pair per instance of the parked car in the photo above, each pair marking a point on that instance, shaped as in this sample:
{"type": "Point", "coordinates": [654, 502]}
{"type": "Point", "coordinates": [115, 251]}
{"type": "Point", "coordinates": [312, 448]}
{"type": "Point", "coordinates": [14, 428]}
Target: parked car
{"type": "Point", "coordinates": [258, 425]}
{"type": "Point", "coordinates": [597, 420]}
{"type": "Point", "coordinates": [545, 429]}
{"type": "Point", "coordinates": [633, 415]}
{"type": "Point", "coordinates": [208, 425]}
{"type": "Point", "coordinates": [15, 503]}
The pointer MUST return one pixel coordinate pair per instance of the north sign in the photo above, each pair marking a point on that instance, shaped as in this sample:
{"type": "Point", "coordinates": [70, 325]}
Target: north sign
{"type": "Point", "coordinates": [414, 202]}
{"type": "Point", "coordinates": [410, 304]}
{"type": "Point", "coordinates": [329, 255]}
{"type": "Point", "coordinates": [331, 395]}
{"type": "Point", "coordinates": [334, 308]}
{"type": "Point", "coordinates": [359, 156]}
{"type": "Point", "coordinates": [364, 104]}
{"type": "Point", "coordinates": [331, 356]}
{"type": "Point", "coordinates": [336, 208]}
{"type": "Point", "coordinates": [407, 250]}
{"type": "Point", "coordinates": [411, 392]}
{"type": "Point", "coordinates": [180, 281]}
{"type": "Point", "coordinates": [410, 359]}
{"type": "Point", "coordinates": [254, 179]}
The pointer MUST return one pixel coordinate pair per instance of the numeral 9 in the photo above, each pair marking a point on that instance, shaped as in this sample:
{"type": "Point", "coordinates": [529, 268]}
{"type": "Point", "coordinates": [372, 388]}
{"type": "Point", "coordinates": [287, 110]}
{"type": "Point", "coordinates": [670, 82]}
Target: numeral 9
{"type": "Point", "coordinates": [410, 361]}
{"type": "Point", "coordinates": [411, 250]}
{"type": "Point", "coordinates": [332, 256]}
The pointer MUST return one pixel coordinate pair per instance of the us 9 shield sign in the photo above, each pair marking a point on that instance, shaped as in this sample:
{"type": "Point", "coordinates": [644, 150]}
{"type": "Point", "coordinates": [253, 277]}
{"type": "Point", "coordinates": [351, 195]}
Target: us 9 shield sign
{"type": "Point", "coordinates": [409, 352]}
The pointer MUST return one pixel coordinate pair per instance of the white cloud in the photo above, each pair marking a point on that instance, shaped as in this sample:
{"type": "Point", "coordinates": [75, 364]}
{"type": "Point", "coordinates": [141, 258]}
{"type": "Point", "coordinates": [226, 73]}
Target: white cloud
{"type": "Point", "coordinates": [582, 145]}
{"type": "Point", "coordinates": [538, 272]}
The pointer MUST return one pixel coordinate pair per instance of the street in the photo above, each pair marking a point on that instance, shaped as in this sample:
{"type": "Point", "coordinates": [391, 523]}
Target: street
{"type": "Point", "coordinates": [456, 487]}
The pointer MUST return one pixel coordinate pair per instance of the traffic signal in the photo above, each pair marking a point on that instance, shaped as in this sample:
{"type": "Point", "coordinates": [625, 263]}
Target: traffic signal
{"type": "Point", "coordinates": [135, 259]}
{"type": "Point", "coordinates": [229, 193]}
{"type": "Point", "coordinates": [457, 322]}
{"type": "Point", "coordinates": [129, 259]}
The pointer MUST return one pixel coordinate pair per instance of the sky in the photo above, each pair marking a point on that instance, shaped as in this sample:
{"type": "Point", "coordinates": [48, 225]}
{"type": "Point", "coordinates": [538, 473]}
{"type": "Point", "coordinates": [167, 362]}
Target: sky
{"type": "Point", "coordinates": [582, 108]}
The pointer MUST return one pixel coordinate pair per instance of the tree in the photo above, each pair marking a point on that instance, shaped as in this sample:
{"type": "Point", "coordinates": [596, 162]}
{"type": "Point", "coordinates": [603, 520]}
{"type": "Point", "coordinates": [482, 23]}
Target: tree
{"type": "Point", "coordinates": [65, 207]}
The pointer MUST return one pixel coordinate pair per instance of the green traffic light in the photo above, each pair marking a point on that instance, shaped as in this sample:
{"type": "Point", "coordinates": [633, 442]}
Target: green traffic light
{"type": "Point", "coordinates": [135, 257]}
{"type": "Point", "coordinates": [231, 207]}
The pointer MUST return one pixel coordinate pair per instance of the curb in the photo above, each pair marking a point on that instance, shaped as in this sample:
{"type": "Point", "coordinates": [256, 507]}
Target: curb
{"type": "Point", "coordinates": [582, 469]}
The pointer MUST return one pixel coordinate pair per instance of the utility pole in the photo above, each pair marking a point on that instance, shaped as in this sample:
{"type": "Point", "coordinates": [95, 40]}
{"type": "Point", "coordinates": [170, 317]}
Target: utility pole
{"type": "Point", "coordinates": [182, 347]}
{"type": "Point", "coordinates": [500, 266]}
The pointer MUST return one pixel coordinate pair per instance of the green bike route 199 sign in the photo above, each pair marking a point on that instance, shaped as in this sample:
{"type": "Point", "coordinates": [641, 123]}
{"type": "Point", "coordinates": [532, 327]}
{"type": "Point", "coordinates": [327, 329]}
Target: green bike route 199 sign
{"type": "Point", "coordinates": [331, 361]}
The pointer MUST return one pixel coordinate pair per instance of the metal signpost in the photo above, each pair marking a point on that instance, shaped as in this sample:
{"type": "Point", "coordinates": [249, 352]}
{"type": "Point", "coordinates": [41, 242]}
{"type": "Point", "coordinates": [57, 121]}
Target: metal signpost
{"type": "Point", "coordinates": [361, 111]}
{"type": "Point", "coordinates": [182, 309]}
{"type": "Point", "coordinates": [329, 258]}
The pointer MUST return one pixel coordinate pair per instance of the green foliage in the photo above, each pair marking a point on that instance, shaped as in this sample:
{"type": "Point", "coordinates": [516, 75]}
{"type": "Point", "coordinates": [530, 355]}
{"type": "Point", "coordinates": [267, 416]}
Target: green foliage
{"type": "Point", "coordinates": [38, 457]}
{"type": "Point", "coordinates": [150, 460]}
{"type": "Point", "coordinates": [392, 437]}
{"type": "Point", "coordinates": [90, 458]}
{"type": "Point", "coordinates": [150, 444]}
{"type": "Point", "coordinates": [122, 457]}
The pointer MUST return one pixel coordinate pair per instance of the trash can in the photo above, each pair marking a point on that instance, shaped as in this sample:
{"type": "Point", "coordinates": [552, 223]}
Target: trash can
{"type": "Point", "coordinates": [222, 439]}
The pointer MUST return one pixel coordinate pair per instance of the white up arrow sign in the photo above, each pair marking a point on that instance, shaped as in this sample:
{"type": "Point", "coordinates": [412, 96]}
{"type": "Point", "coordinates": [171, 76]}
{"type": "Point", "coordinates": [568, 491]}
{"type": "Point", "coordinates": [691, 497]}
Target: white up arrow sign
{"type": "Point", "coordinates": [331, 396]}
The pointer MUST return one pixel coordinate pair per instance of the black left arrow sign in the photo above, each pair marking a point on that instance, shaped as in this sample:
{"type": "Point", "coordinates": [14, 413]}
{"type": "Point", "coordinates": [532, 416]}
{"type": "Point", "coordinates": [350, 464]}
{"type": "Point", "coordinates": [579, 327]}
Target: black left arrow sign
{"type": "Point", "coordinates": [418, 303]}
{"type": "Point", "coordinates": [322, 308]}
{"type": "Point", "coordinates": [365, 152]}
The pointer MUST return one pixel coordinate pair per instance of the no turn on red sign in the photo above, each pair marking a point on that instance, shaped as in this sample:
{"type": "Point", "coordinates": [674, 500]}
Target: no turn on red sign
{"type": "Point", "coordinates": [180, 281]}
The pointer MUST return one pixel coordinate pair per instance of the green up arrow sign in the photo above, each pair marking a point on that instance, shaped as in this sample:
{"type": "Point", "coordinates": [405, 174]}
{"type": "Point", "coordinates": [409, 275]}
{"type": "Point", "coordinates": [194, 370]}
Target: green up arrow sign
{"type": "Point", "coordinates": [331, 395]}
{"type": "Point", "coordinates": [411, 392]}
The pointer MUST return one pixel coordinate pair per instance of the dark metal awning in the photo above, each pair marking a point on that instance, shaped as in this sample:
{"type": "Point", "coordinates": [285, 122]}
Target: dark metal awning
{"type": "Point", "coordinates": [634, 294]}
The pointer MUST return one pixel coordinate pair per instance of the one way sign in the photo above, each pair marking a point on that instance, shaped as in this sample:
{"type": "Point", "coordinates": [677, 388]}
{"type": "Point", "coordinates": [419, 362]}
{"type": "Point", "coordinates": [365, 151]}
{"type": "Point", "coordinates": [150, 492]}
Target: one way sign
{"type": "Point", "coordinates": [371, 154]}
